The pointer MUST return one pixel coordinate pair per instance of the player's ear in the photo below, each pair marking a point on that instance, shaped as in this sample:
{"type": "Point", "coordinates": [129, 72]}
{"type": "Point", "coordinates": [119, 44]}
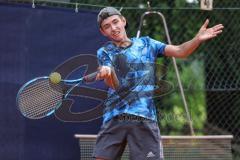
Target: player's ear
{"type": "Point", "coordinates": [102, 31]}
{"type": "Point", "coordinates": [124, 20]}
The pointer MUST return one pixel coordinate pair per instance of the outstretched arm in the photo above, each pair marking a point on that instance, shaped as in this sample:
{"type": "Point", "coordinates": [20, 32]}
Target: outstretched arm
{"type": "Point", "coordinates": [185, 49]}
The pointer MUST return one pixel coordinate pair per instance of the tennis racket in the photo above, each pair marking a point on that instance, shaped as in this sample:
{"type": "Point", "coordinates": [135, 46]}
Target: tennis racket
{"type": "Point", "coordinates": [39, 98]}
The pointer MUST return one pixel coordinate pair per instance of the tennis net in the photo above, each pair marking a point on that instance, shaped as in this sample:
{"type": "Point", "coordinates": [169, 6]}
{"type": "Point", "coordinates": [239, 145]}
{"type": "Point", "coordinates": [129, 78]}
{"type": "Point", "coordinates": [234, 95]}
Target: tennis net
{"type": "Point", "coordinates": [217, 147]}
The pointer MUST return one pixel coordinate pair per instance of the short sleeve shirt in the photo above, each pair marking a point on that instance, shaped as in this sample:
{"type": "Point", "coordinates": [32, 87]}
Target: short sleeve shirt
{"type": "Point", "coordinates": [135, 70]}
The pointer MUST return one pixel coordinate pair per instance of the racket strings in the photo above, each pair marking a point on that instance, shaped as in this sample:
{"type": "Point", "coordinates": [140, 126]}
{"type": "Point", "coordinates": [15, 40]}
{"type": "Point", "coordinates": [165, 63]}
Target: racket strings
{"type": "Point", "coordinates": [39, 110]}
{"type": "Point", "coordinates": [39, 98]}
{"type": "Point", "coordinates": [35, 102]}
{"type": "Point", "coordinates": [40, 84]}
{"type": "Point", "coordinates": [42, 103]}
{"type": "Point", "coordinates": [34, 98]}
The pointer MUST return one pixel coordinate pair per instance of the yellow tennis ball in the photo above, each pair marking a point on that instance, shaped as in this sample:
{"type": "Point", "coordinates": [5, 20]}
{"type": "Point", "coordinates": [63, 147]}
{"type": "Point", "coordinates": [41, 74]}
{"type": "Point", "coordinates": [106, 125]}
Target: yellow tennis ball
{"type": "Point", "coordinates": [55, 77]}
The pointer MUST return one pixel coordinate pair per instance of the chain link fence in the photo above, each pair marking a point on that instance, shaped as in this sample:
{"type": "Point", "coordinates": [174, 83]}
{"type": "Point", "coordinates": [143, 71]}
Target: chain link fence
{"type": "Point", "coordinates": [210, 77]}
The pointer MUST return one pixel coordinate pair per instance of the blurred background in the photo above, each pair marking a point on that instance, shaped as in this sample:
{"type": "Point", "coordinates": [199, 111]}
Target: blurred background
{"type": "Point", "coordinates": [210, 77]}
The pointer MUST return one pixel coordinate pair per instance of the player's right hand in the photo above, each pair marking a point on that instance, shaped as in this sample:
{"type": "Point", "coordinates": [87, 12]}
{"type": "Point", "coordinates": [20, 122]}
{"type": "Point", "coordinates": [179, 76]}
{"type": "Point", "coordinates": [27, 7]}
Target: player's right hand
{"type": "Point", "coordinates": [108, 74]}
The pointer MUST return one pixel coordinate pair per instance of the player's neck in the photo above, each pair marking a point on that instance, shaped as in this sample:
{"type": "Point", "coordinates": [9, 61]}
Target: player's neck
{"type": "Point", "coordinates": [123, 43]}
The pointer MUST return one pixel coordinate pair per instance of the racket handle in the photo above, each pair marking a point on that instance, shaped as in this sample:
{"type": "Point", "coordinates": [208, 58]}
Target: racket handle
{"type": "Point", "coordinates": [90, 77]}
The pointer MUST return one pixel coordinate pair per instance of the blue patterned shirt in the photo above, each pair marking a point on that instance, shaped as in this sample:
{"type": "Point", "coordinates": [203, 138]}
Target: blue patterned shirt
{"type": "Point", "coordinates": [135, 69]}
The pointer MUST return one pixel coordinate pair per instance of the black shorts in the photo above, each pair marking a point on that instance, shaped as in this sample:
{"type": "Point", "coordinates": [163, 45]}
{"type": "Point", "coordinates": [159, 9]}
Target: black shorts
{"type": "Point", "coordinates": [142, 136]}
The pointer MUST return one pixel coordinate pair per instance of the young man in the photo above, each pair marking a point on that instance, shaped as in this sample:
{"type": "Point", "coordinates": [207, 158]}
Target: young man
{"type": "Point", "coordinates": [127, 67]}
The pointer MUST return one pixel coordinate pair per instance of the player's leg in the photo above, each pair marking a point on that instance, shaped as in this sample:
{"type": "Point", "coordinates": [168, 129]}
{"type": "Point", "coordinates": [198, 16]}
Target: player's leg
{"type": "Point", "coordinates": [144, 141]}
{"type": "Point", "coordinates": [101, 159]}
{"type": "Point", "coordinates": [111, 141]}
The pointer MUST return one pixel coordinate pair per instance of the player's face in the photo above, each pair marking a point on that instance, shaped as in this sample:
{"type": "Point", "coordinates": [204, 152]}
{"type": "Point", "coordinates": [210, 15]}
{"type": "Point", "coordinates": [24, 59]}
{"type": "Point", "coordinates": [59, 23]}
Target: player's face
{"type": "Point", "coordinates": [113, 27]}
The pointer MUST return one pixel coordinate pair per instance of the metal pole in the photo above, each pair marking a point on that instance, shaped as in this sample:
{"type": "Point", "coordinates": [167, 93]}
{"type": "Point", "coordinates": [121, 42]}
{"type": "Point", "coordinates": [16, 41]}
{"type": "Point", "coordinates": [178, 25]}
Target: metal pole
{"type": "Point", "coordinates": [174, 62]}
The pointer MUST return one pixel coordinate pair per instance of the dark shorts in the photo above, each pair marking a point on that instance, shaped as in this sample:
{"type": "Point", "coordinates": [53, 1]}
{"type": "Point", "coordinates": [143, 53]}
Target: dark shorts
{"type": "Point", "coordinates": [142, 136]}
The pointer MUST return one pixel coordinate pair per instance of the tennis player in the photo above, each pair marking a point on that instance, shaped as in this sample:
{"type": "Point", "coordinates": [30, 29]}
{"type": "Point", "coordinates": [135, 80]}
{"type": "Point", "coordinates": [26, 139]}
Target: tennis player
{"type": "Point", "coordinates": [127, 67]}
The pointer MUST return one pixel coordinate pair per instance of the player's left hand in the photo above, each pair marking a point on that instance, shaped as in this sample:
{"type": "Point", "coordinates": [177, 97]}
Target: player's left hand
{"type": "Point", "coordinates": [209, 33]}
